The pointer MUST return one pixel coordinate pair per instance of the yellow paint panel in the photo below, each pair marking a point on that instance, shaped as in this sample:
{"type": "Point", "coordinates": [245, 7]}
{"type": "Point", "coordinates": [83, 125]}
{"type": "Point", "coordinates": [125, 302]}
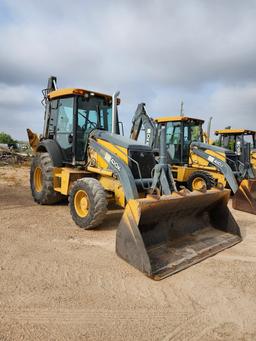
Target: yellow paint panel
{"type": "Point", "coordinates": [199, 161]}
{"type": "Point", "coordinates": [176, 119]}
{"type": "Point", "coordinates": [183, 173]}
{"type": "Point", "coordinates": [121, 152]}
{"type": "Point", "coordinates": [253, 160]}
{"type": "Point", "coordinates": [234, 131]}
{"type": "Point", "coordinates": [63, 178]}
{"type": "Point", "coordinates": [114, 186]}
{"type": "Point", "coordinates": [73, 91]}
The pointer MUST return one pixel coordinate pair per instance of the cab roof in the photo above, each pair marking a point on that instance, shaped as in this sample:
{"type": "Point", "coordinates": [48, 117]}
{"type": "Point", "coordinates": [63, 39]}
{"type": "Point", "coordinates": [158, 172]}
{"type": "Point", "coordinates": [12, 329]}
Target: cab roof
{"type": "Point", "coordinates": [74, 91]}
{"type": "Point", "coordinates": [177, 119]}
{"type": "Point", "coordinates": [234, 132]}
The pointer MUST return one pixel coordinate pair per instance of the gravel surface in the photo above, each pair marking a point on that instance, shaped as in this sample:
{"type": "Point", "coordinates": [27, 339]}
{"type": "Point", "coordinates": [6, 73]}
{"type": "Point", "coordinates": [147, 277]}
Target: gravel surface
{"type": "Point", "coordinates": [58, 282]}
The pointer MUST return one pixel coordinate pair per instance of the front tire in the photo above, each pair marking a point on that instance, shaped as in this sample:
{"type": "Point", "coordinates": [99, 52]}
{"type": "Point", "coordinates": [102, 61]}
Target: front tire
{"type": "Point", "coordinates": [88, 203]}
{"type": "Point", "coordinates": [200, 180]}
{"type": "Point", "coordinates": [41, 180]}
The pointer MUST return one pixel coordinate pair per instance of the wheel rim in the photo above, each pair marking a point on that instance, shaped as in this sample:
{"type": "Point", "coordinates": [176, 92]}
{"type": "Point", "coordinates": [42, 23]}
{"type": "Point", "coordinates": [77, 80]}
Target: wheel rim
{"type": "Point", "coordinates": [198, 184]}
{"type": "Point", "coordinates": [81, 203]}
{"type": "Point", "coordinates": [38, 179]}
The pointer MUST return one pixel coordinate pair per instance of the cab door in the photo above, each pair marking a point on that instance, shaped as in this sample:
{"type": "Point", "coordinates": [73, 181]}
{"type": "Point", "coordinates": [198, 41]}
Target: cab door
{"type": "Point", "coordinates": [64, 127]}
{"type": "Point", "coordinates": [87, 120]}
{"type": "Point", "coordinates": [173, 141]}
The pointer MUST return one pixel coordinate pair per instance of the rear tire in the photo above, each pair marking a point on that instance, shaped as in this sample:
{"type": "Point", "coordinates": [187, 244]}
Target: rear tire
{"type": "Point", "coordinates": [41, 180]}
{"type": "Point", "coordinates": [200, 179]}
{"type": "Point", "coordinates": [88, 203]}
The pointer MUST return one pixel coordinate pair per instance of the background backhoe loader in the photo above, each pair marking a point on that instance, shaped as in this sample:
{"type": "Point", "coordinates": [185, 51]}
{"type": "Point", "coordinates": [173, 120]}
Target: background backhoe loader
{"type": "Point", "coordinates": [81, 156]}
{"type": "Point", "coordinates": [234, 139]}
{"type": "Point", "coordinates": [198, 164]}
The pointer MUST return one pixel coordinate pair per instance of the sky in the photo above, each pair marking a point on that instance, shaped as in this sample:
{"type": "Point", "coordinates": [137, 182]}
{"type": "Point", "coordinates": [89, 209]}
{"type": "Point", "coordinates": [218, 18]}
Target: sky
{"type": "Point", "coordinates": [160, 52]}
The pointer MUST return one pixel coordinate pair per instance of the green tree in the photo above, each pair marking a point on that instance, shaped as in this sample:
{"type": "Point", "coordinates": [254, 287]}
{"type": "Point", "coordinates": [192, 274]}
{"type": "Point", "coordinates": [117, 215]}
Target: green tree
{"type": "Point", "coordinates": [7, 139]}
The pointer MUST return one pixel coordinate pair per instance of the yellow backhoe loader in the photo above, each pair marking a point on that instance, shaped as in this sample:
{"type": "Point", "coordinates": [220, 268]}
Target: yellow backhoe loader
{"type": "Point", "coordinates": [82, 156]}
{"type": "Point", "coordinates": [197, 164]}
{"type": "Point", "coordinates": [234, 139]}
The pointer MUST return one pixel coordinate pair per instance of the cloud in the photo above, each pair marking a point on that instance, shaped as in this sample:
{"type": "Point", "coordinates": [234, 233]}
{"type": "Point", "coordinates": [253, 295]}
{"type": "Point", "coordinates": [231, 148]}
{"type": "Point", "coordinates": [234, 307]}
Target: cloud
{"type": "Point", "coordinates": [235, 106]}
{"type": "Point", "coordinates": [14, 96]}
{"type": "Point", "coordinates": [154, 51]}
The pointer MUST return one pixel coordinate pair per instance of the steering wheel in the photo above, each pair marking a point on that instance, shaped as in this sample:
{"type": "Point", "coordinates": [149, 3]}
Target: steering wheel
{"type": "Point", "coordinates": [90, 126]}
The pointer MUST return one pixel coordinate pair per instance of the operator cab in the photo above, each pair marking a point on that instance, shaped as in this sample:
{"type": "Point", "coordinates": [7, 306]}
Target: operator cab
{"type": "Point", "coordinates": [234, 139]}
{"type": "Point", "coordinates": [72, 115]}
{"type": "Point", "coordinates": [180, 132]}
{"type": "Point", "coordinates": [241, 142]}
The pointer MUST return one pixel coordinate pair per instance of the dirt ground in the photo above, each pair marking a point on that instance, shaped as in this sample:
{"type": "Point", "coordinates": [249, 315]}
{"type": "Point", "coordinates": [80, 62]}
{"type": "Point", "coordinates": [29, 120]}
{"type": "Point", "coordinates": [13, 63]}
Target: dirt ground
{"type": "Point", "coordinates": [58, 282]}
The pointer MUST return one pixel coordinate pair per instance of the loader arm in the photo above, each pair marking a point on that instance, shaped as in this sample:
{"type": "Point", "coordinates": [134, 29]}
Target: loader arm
{"type": "Point", "coordinates": [162, 175]}
{"type": "Point", "coordinates": [243, 185]}
{"type": "Point", "coordinates": [199, 148]}
{"type": "Point", "coordinates": [119, 167]}
{"type": "Point", "coordinates": [141, 119]}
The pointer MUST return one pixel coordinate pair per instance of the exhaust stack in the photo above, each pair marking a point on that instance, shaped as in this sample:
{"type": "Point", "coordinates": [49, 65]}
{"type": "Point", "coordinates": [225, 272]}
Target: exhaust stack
{"type": "Point", "coordinates": [114, 111]}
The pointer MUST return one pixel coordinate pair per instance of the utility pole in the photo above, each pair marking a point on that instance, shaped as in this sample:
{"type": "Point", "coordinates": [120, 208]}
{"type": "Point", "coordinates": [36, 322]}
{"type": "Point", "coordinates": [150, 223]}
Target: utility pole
{"type": "Point", "coordinates": [182, 108]}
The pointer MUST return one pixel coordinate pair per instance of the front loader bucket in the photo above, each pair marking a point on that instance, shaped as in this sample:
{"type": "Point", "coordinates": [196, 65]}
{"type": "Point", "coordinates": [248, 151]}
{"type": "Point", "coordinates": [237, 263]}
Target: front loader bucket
{"type": "Point", "coordinates": [245, 198]}
{"type": "Point", "coordinates": [163, 236]}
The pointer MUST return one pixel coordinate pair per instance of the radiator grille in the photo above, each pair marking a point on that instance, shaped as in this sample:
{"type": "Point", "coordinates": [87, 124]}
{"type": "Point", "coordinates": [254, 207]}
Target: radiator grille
{"type": "Point", "coordinates": [146, 163]}
{"type": "Point", "coordinates": [232, 161]}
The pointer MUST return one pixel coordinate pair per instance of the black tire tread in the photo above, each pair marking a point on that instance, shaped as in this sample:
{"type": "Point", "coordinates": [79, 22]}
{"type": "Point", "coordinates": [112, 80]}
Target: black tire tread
{"type": "Point", "coordinates": [48, 196]}
{"type": "Point", "coordinates": [209, 179]}
{"type": "Point", "coordinates": [99, 203]}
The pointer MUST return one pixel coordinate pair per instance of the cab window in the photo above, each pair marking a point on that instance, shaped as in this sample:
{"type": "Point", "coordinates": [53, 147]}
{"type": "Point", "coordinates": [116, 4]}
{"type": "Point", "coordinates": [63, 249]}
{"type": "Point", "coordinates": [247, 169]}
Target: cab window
{"type": "Point", "coordinates": [64, 129]}
{"type": "Point", "coordinates": [65, 115]}
{"type": "Point", "coordinates": [173, 140]}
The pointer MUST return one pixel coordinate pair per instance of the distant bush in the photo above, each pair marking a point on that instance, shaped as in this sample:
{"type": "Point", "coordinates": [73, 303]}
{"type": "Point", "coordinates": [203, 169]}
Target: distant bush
{"type": "Point", "coordinates": [7, 139]}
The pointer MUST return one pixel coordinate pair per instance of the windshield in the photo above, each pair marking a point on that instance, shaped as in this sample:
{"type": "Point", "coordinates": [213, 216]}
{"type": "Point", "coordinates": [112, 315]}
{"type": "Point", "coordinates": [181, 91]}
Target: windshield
{"type": "Point", "coordinates": [179, 135]}
{"type": "Point", "coordinates": [94, 112]}
{"type": "Point", "coordinates": [229, 142]}
{"type": "Point", "coordinates": [250, 139]}
{"type": "Point", "coordinates": [234, 141]}
{"type": "Point", "coordinates": [192, 132]}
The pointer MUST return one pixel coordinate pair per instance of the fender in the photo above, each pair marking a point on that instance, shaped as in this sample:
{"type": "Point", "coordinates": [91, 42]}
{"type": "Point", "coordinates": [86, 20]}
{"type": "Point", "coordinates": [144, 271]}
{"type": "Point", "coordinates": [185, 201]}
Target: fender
{"type": "Point", "coordinates": [51, 147]}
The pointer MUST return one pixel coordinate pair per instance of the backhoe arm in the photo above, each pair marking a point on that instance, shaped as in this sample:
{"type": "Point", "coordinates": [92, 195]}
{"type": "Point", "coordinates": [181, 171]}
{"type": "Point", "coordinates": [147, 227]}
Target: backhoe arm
{"type": "Point", "coordinates": [140, 119]}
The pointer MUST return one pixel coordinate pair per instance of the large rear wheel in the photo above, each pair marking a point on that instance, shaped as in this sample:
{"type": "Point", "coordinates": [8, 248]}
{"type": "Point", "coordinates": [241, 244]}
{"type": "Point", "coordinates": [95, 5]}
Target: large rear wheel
{"type": "Point", "coordinates": [41, 180]}
{"type": "Point", "coordinates": [88, 203]}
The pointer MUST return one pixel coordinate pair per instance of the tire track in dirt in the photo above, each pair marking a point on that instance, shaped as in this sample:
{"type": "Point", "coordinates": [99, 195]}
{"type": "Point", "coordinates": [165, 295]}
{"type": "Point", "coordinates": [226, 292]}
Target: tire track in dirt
{"type": "Point", "coordinates": [60, 282]}
{"type": "Point", "coordinates": [186, 328]}
{"type": "Point", "coordinates": [82, 315]}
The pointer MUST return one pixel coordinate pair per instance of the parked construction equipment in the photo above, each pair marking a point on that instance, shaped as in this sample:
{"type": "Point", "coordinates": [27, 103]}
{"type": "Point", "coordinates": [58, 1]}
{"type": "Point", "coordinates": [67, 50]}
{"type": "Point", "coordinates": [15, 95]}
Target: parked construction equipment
{"type": "Point", "coordinates": [198, 164]}
{"type": "Point", "coordinates": [234, 139]}
{"type": "Point", "coordinates": [81, 156]}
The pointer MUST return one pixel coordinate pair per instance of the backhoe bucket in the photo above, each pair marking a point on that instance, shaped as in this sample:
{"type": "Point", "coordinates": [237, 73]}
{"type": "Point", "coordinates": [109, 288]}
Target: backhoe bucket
{"type": "Point", "coordinates": [33, 139]}
{"type": "Point", "coordinates": [245, 198]}
{"type": "Point", "coordinates": [161, 236]}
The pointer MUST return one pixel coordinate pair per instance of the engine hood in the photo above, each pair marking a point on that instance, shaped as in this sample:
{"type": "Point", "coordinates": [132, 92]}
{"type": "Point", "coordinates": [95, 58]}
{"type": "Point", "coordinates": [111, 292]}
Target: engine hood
{"type": "Point", "coordinates": [119, 140]}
